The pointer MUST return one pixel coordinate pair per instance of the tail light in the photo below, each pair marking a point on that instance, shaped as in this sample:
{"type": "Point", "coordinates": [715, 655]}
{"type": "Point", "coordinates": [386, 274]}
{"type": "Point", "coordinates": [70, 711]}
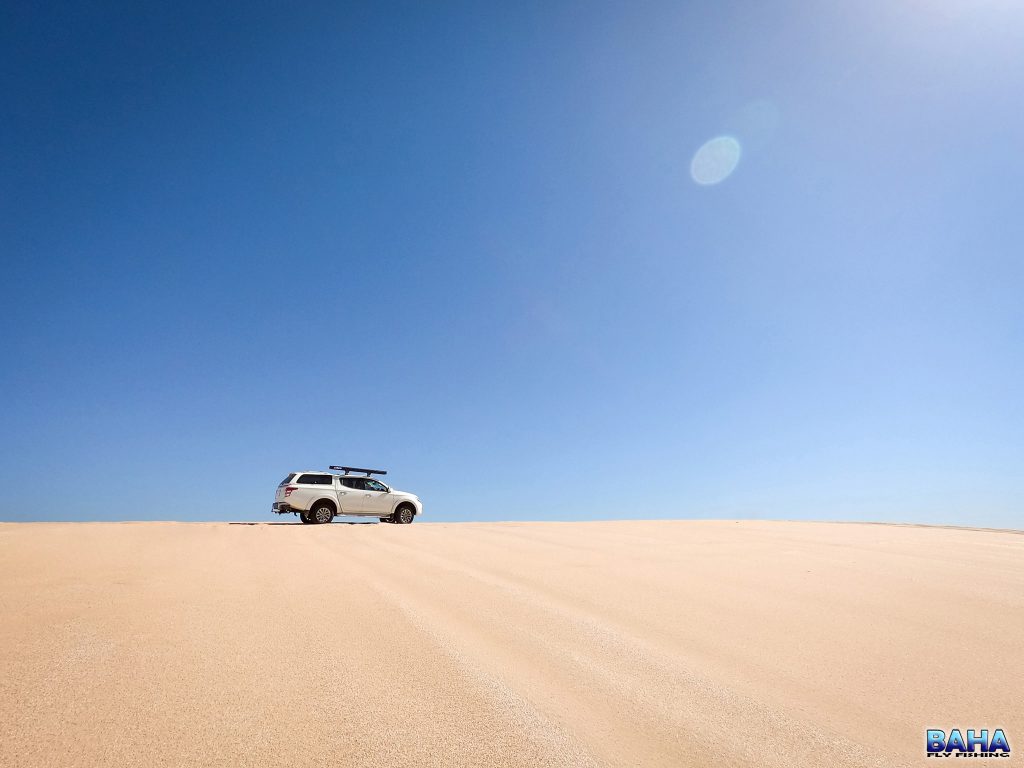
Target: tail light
{"type": "Point", "coordinates": [289, 489]}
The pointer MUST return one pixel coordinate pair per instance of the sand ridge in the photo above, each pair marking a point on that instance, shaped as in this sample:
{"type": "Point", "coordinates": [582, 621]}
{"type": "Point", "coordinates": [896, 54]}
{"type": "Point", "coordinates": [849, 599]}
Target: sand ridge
{"type": "Point", "coordinates": [660, 643]}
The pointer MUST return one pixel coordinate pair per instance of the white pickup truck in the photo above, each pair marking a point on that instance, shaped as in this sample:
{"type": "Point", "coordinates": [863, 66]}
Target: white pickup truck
{"type": "Point", "coordinates": [318, 497]}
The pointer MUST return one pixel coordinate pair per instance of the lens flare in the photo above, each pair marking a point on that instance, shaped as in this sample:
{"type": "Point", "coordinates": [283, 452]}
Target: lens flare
{"type": "Point", "coordinates": [715, 160]}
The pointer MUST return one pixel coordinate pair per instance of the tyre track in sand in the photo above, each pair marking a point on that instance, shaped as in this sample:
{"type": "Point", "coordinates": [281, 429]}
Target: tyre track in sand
{"type": "Point", "coordinates": [629, 701]}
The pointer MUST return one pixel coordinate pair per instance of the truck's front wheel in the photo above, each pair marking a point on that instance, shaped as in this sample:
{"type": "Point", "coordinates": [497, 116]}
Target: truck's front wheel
{"type": "Point", "coordinates": [404, 515]}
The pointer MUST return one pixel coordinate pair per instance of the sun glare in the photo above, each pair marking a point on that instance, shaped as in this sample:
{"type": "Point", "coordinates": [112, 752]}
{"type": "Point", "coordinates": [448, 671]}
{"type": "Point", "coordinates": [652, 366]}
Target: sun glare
{"type": "Point", "coordinates": [715, 160]}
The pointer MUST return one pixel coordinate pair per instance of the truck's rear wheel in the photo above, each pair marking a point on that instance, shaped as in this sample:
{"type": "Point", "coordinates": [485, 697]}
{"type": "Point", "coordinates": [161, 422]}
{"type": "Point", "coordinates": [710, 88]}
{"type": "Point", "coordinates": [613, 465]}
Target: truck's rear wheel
{"type": "Point", "coordinates": [322, 513]}
{"type": "Point", "coordinates": [305, 518]}
{"type": "Point", "coordinates": [404, 515]}
{"type": "Point", "coordinates": [386, 520]}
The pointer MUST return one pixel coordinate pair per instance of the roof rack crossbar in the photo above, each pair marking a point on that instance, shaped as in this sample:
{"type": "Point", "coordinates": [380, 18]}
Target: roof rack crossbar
{"type": "Point", "coordinates": [349, 470]}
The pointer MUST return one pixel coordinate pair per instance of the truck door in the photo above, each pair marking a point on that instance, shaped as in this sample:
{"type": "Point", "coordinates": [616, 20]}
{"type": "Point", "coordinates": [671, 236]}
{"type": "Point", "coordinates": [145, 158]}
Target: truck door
{"type": "Point", "coordinates": [350, 495]}
{"type": "Point", "coordinates": [377, 499]}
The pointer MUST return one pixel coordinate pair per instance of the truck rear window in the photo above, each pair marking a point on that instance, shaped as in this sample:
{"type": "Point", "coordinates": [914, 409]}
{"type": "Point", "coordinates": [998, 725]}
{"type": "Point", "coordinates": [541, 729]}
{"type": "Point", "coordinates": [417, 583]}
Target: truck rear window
{"type": "Point", "coordinates": [315, 479]}
{"type": "Point", "coordinates": [287, 479]}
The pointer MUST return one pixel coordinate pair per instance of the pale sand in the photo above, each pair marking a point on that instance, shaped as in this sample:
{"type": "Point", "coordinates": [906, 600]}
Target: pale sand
{"type": "Point", "coordinates": [519, 644]}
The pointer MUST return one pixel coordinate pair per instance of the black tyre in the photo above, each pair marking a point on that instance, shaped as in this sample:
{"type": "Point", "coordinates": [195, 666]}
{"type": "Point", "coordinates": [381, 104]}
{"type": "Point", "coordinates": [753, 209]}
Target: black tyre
{"type": "Point", "coordinates": [322, 513]}
{"type": "Point", "coordinates": [404, 515]}
{"type": "Point", "coordinates": [305, 518]}
{"type": "Point", "coordinates": [385, 520]}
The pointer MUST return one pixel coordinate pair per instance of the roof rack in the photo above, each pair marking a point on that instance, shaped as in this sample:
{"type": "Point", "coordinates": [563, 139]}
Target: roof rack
{"type": "Point", "coordinates": [349, 470]}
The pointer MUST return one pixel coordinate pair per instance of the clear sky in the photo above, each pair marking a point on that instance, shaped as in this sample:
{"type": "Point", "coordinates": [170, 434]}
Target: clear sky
{"type": "Point", "coordinates": [477, 244]}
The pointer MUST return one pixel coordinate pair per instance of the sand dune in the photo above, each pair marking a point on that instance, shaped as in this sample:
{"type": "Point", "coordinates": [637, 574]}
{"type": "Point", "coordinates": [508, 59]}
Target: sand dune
{"type": "Point", "coordinates": [668, 643]}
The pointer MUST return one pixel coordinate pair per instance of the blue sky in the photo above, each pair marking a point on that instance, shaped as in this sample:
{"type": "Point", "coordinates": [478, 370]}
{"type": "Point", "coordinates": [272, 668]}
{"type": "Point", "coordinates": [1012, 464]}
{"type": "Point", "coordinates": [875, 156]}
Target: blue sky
{"type": "Point", "coordinates": [462, 241]}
